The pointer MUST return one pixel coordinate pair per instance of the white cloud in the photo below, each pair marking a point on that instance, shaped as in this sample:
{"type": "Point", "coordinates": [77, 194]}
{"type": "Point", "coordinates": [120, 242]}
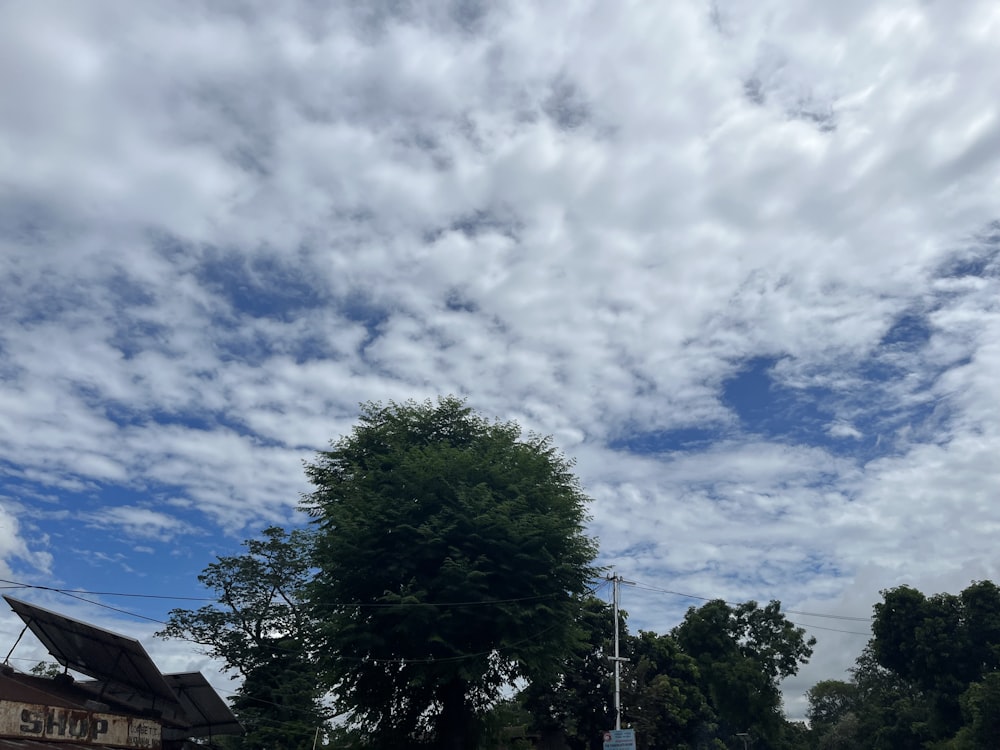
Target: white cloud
{"type": "Point", "coordinates": [138, 523]}
{"type": "Point", "coordinates": [25, 546]}
{"type": "Point", "coordinates": [843, 430]}
{"type": "Point", "coordinates": [223, 230]}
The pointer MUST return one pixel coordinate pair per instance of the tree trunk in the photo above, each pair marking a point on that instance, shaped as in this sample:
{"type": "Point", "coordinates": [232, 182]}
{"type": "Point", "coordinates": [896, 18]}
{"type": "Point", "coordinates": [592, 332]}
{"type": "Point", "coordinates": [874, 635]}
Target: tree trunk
{"type": "Point", "coordinates": [455, 722]}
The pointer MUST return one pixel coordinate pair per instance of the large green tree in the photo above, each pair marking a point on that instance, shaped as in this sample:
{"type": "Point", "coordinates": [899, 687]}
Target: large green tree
{"type": "Point", "coordinates": [260, 630]}
{"type": "Point", "coordinates": [453, 560]}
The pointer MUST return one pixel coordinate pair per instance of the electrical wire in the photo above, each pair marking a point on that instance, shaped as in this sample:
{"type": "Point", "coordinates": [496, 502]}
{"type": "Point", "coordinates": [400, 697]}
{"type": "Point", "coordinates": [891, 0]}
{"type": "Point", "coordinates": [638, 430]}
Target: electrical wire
{"type": "Point", "coordinates": [80, 595]}
{"type": "Point", "coordinates": [360, 659]}
{"type": "Point", "coordinates": [849, 618]}
{"type": "Point", "coordinates": [810, 626]}
{"type": "Point", "coordinates": [76, 594]}
{"type": "Point", "coordinates": [381, 605]}
{"type": "Point", "coordinates": [360, 605]}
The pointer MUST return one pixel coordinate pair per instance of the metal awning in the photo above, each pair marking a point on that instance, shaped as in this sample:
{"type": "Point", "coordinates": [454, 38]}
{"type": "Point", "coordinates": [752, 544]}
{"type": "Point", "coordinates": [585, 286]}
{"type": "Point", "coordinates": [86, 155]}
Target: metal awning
{"type": "Point", "coordinates": [123, 671]}
{"type": "Point", "coordinates": [93, 651]}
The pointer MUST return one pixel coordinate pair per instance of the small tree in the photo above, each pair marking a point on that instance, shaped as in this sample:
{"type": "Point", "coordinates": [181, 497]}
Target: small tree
{"type": "Point", "coordinates": [452, 560]}
{"type": "Point", "coordinates": [47, 669]}
{"type": "Point", "coordinates": [663, 701]}
{"type": "Point", "coordinates": [260, 631]}
{"type": "Point", "coordinates": [829, 702]}
{"type": "Point", "coordinates": [742, 653]}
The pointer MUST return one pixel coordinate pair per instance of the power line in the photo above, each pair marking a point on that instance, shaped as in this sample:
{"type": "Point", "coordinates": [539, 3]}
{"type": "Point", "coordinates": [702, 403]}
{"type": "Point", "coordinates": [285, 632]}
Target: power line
{"type": "Point", "coordinates": [849, 618]}
{"type": "Point", "coordinates": [360, 605]}
{"type": "Point", "coordinates": [78, 595]}
{"type": "Point", "coordinates": [108, 606]}
{"type": "Point", "coordinates": [810, 626]}
{"type": "Point", "coordinates": [40, 587]}
{"type": "Point", "coordinates": [378, 605]}
{"type": "Point", "coordinates": [391, 660]}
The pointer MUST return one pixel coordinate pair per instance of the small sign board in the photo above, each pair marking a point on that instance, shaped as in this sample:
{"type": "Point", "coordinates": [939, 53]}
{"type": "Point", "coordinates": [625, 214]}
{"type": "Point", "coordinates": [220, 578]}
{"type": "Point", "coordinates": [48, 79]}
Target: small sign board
{"type": "Point", "coordinates": [619, 739]}
{"type": "Point", "coordinates": [29, 721]}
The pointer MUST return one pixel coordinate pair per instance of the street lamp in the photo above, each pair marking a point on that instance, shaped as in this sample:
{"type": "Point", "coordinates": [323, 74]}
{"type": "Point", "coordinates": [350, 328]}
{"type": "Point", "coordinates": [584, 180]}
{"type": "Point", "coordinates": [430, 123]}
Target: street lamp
{"type": "Point", "coordinates": [745, 736]}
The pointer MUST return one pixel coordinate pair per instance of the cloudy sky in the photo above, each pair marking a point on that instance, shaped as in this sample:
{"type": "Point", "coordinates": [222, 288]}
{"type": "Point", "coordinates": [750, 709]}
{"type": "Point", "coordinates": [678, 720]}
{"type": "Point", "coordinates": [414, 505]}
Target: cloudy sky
{"type": "Point", "coordinates": [742, 261]}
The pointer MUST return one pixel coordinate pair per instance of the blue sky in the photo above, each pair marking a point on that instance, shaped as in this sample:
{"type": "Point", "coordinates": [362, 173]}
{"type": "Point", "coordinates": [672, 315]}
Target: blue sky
{"type": "Point", "coordinates": [742, 261]}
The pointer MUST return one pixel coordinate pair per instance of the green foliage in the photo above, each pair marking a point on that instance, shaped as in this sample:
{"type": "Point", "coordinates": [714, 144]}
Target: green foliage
{"type": "Point", "coordinates": [692, 689]}
{"type": "Point", "coordinates": [940, 645]}
{"type": "Point", "coordinates": [942, 642]}
{"type": "Point", "coordinates": [662, 699]}
{"type": "Point", "coordinates": [833, 715]}
{"type": "Point", "coordinates": [929, 678]}
{"type": "Point", "coordinates": [47, 669]}
{"type": "Point", "coordinates": [742, 654]}
{"type": "Point", "coordinates": [795, 735]}
{"type": "Point", "coordinates": [260, 631]}
{"type": "Point", "coordinates": [844, 734]}
{"type": "Point", "coordinates": [452, 561]}
{"type": "Point", "coordinates": [891, 712]}
{"type": "Point", "coordinates": [981, 709]}
{"type": "Point", "coordinates": [577, 703]}
{"type": "Point", "coordinates": [829, 702]}
{"type": "Point", "coordinates": [277, 702]}
{"type": "Point", "coordinates": [259, 597]}
{"type": "Point", "coordinates": [507, 726]}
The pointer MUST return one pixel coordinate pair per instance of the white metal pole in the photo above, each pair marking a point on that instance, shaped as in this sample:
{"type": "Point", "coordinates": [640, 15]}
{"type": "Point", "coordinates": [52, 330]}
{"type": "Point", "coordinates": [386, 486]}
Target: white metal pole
{"type": "Point", "coordinates": [616, 581]}
{"type": "Point", "coordinates": [618, 698]}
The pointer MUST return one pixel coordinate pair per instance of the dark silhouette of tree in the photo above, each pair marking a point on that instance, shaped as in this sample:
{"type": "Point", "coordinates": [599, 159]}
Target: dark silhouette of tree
{"type": "Point", "coordinates": [663, 700]}
{"type": "Point", "coordinates": [577, 703]}
{"type": "Point", "coordinates": [261, 632]}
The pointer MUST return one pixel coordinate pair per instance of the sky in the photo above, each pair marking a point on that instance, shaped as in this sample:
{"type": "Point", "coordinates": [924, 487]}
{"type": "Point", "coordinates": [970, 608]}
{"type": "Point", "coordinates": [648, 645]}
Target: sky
{"type": "Point", "coordinates": [741, 261]}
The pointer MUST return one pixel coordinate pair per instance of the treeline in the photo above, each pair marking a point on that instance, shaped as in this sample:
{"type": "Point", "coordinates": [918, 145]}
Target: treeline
{"type": "Point", "coordinates": [929, 678]}
{"type": "Point", "coordinates": [444, 597]}
{"type": "Point", "coordinates": [712, 680]}
{"type": "Point", "coordinates": [709, 683]}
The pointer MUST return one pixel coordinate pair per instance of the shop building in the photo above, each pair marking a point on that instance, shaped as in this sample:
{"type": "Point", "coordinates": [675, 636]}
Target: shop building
{"type": "Point", "coordinates": [126, 704]}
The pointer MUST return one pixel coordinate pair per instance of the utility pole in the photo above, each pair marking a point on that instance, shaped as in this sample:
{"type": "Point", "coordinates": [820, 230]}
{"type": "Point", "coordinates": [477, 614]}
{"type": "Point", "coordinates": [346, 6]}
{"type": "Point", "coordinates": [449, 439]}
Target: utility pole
{"type": "Point", "coordinates": [616, 580]}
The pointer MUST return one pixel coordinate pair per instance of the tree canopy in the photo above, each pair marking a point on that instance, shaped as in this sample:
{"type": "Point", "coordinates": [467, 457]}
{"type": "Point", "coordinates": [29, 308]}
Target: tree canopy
{"type": "Point", "coordinates": [260, 631]}
{"type": "Point", "coordinates": [743, 652]}
{"type": "Point", "coordinates": [928, 678]}
{"type": "Point", "coordinates": [577, 702]}
{"type": "Point", "coordinates": [452, 561]}
{"type": "Point", "coordinates": [715, 675]}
